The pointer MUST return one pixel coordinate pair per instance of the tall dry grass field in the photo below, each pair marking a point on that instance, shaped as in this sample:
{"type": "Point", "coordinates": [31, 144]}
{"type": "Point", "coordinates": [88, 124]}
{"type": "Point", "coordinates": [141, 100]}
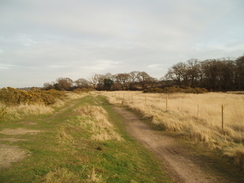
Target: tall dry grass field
{"type": "Point", "coordinates": [197, 116]}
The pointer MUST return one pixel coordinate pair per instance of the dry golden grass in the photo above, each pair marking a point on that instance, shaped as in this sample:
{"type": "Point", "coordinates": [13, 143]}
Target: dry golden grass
{"type": "Point", "coordinates": [26, 110]}
{"type": "Point", "coordinates": [95, 117]}
{"type": "Point", "coordinates": [197, 116]}
{"type": "Point", "coordinates": [64, 138]}
{"type": "Point", "coordinates": [20, 111]}
{"type": "Point", "coordinates": [61, 175]}
{"type": "Point", "coordinates": [237, 153]}
{"type": "Point", "coordinates": [72, 95]}
{"type": "Point", "coordinates": [65, 176]}
{"type": "Point", "coordinates": [94, 177]}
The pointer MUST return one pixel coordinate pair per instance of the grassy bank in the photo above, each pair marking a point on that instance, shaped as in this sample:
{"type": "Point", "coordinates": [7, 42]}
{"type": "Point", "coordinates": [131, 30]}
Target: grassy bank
{"type": "Point", "coordinates": [83, 141]}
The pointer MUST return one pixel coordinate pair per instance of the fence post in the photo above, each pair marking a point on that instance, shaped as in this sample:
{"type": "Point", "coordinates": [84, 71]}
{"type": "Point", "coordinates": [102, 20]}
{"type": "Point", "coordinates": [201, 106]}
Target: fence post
{"type": "Point", "coordinates": [167, 103]}
{"type": "Point", "coordinates": [222, 112]}
{"type": "Point", "coordinates": [179, 106]}
{"type": "Point", "coordinates": [198, 111]}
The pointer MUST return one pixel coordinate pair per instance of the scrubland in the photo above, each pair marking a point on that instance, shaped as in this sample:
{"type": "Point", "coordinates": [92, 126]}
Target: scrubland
{"type": "Point", "coordinates": [197, 117]}
{"type": "Point", "coordinates": [29, 108]}
{"type": "Point", "coordinates": [83, 140]}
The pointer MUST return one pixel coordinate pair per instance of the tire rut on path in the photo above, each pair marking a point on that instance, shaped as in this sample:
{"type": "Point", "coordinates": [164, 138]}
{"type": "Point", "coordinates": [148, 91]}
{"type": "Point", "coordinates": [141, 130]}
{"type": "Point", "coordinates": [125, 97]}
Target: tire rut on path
{"type": "Point", "coordinates": [181, 166]}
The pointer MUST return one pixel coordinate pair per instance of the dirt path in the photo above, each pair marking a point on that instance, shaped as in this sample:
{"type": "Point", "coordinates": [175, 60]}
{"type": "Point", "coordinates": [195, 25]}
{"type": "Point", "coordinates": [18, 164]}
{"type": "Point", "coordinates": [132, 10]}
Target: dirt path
{"type": "Point", "coordinates": [180, 164]}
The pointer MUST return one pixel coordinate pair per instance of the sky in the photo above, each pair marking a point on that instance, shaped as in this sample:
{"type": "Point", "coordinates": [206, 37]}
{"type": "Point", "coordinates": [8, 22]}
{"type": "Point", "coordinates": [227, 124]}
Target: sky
{"type": "Point", "coordinates": [43, 40]}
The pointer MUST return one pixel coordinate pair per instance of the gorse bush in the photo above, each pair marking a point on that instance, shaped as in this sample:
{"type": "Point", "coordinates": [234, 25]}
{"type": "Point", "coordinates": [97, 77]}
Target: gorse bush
{"type": "Point", "coordinates": [176, 90]}
{"type": "Point", "coordinates": [3, 112]}
{"type": "Point", "coordinates": [12, 96]}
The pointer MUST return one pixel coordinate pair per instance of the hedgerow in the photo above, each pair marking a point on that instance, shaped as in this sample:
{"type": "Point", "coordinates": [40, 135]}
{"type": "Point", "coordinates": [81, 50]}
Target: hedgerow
{"type": "Point", "coordinates": [12, 96]}
{"type": "Point", "coordinates": [176, 90]}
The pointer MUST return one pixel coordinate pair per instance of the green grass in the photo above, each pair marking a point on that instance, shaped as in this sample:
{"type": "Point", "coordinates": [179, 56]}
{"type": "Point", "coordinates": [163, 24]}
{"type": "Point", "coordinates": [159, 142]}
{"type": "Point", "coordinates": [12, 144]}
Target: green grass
{"type": "Point", "coordinates": [64, 152]}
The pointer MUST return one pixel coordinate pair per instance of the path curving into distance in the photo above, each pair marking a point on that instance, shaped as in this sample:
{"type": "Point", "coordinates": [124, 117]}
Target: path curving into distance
{"type": "Point", "coordinates": [182, 166]}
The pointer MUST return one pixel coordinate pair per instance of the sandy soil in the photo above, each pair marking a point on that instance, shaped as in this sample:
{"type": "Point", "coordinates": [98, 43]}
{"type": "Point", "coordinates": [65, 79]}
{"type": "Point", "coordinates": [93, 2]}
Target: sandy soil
{"type": "Point", "coordinates": [181, 165]}
{"type": "Point", "coordinates": [10, 154]}
{"type": "Point", "coordinates": [18, 131]}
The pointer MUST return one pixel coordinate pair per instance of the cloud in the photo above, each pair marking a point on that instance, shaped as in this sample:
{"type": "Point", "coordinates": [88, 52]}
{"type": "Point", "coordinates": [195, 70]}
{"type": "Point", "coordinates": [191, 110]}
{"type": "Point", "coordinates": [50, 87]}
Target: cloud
{"type": "Point", "coordinates": [156, 66]}
{"type": "Point", "coordinates": [5, 66]}
{"type": "Point", "coordinates": [102, 65]}
{"type": "Point", "coordinates": [78, 38]}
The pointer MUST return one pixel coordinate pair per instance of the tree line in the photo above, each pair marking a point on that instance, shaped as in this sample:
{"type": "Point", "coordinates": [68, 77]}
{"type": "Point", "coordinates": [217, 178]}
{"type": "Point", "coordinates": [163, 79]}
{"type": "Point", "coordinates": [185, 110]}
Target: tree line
{"type": "Point", "coordinates": [212, 74]}
{"type": "Point", "coordinates": [135, 80]}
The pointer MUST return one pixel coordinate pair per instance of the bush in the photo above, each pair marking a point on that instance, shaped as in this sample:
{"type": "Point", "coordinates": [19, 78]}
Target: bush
{"type": "Point", "coordinates": [174, 89]}
{"type": "Point", "coordinates": [201, 90]}
{"type": "Point", "coordinates": [153, 90]}
{"type": "Point", "coordinates": [3, 112]}
{"type": "Point", "coordinates": [11, 96]}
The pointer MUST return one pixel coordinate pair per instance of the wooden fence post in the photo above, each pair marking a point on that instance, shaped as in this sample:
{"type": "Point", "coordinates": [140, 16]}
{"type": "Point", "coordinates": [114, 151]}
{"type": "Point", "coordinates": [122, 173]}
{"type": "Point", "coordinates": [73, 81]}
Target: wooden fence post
{"type": "Point", "coordinates": [179, 107]}
{"type": "Point", "coordinates": [167, 103]}
{"type": "Point", "coordinates": [222, 112]}
{"type": "Point", "coordinates": [198, 111]}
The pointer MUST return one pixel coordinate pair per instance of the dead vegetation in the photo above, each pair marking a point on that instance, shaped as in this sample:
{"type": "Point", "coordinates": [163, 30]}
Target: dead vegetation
{"type": "Point", "coordinates": [198, 117]}
{"type": "Point", "coordinates": [95, 118]}
{"type": "Point", "coordinates": [61, 175]}
{"type": "Point", "coordinates": [23, 110]}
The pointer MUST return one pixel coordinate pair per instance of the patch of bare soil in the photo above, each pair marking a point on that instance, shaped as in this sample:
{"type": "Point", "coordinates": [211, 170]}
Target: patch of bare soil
{"type": "Point", "coordinates": [18, 131]}
{"type": "Point", "coordinates": [29, 123]}
{"type": "Point", "coordinates": [181, 165]}
{"type": "Point", "coordinates": [12, 139]}
{"type": "Point", "coordinates": [10, 154]}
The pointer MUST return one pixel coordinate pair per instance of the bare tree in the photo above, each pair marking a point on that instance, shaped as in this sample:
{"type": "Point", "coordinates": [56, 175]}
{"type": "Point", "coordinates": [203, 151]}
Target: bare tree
{"type": "Point", "coordinates": [94, 79]}
{"type": "Point", "coordinates": [239, 73]}
{"type": "Point", "coordinates": [82, 83]}
{"type": "Point", "coordinates": [48, 86]}
{"type": "Point", "coordinates": [211, 73]}
{"type": "Point", "coordinates": [64, 83]}
{"type": "Point", "coordinates": [153, 82]}
{"type": "Point", "coordinates": [123, 80]}
{"type": "Point", "coordinates": [178, 73]}
{"type": "Point", "coordinates": [143, 79]}
{"type": "Point", "coordinates": [193, 70]}
{"type": "Point", "coordinates": [133, 79]}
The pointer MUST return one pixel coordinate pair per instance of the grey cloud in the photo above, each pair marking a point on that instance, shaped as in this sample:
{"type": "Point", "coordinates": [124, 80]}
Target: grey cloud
{"type": "Point", "coordinates": [78, 38]}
